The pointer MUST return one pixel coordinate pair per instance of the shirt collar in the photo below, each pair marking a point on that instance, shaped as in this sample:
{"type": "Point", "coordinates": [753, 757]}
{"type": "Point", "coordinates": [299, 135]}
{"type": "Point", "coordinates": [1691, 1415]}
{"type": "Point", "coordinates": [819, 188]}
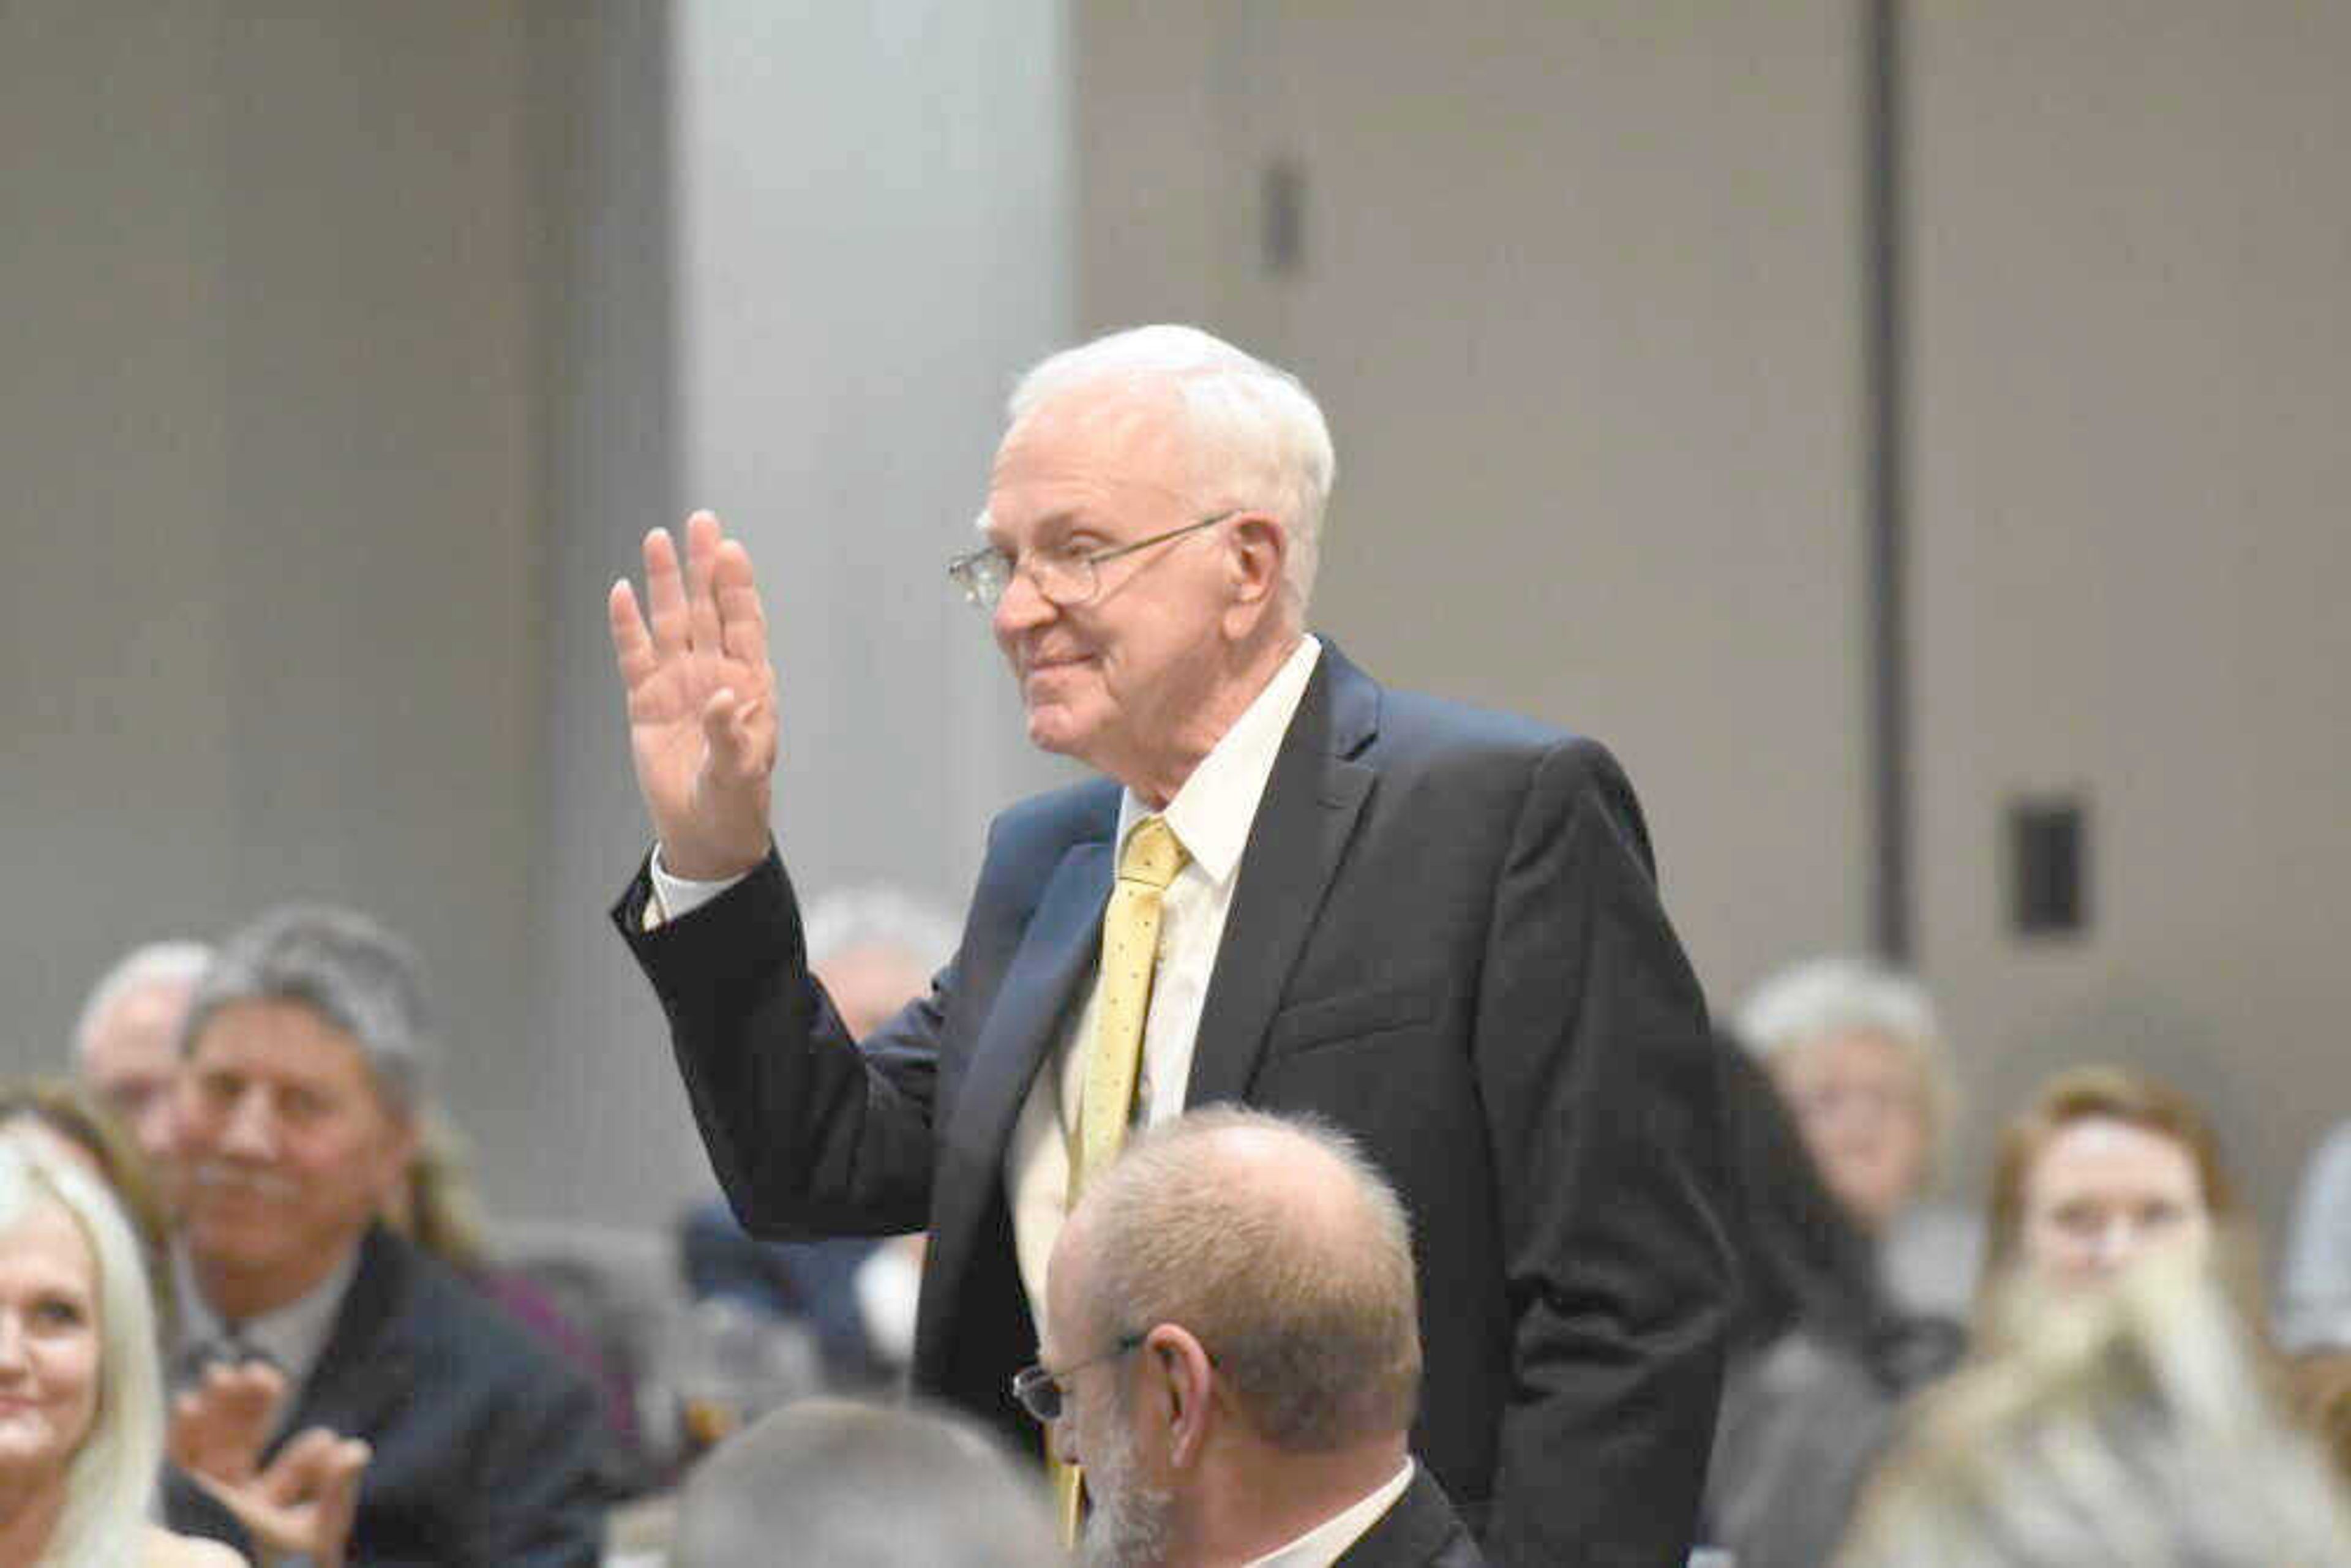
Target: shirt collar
{"type": "Point", "coordinates": [294, 1335]}
{"type": "Point", "coordinates": [1328, 1542]}
{"type": "Point", "coordinates": [1211, 814]}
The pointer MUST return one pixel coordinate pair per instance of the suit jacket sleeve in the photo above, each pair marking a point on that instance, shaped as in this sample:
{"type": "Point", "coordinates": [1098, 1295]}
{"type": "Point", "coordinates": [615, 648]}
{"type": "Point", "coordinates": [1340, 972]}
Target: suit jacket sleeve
{"type": "Point", "coordinates": [1598, 1076]}
{"type": "Point", "coordinates": [810, 1132]}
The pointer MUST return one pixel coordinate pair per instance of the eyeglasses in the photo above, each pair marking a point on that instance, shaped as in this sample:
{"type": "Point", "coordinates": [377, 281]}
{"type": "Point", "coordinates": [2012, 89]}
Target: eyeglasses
{"type": "Point", "coordinates": [1061, 576]}
{"type": "Point", "coordinates": [1039, 1391]}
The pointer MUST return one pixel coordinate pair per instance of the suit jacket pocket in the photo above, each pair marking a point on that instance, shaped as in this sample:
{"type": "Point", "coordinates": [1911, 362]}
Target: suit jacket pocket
{"type": "Point", "coordinates": [1348, 1017]}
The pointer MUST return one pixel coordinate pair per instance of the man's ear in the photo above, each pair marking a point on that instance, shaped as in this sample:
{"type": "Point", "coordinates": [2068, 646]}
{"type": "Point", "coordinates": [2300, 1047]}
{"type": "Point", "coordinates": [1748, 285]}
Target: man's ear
{"type": "Point", "coordinates": [1184, 1385]}
{"type": "Point", "coordinates": [1257, 554]}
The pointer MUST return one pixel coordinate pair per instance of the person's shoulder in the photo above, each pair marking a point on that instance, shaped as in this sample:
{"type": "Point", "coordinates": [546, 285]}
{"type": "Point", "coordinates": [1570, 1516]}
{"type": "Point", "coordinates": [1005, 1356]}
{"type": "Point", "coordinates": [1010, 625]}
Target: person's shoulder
{"type": "Point", "coordinates": [1044, 825]}
{"type": "Point", "coordinates": [164, 1550]}
{"type": "Point", "coordinates": [458, 1331]}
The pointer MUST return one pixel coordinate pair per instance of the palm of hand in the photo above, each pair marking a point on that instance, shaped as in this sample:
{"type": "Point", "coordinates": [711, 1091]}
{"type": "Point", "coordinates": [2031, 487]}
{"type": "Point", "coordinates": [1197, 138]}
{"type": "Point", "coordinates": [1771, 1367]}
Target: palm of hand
{"type": "Point", "coordinates": [701, 693]}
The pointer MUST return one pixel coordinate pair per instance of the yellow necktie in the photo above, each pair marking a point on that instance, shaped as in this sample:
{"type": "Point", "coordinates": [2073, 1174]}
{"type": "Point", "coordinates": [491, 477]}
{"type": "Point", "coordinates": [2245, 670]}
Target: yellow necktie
{"type": "Point", "coordinates": [1130, 953]}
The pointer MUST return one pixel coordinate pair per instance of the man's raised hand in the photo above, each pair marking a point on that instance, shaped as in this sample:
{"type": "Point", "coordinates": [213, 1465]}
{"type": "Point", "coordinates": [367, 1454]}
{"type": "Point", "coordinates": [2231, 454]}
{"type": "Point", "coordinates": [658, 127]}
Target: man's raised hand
{"type": "Point", "coordinates": [701, 700]}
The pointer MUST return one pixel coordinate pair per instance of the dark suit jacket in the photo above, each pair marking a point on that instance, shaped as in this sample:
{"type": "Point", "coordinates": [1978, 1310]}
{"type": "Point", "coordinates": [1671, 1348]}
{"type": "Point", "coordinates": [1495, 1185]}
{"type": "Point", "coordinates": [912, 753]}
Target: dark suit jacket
{"type": "Point", "coordinates": [1445, 937]}
{"type": "Point", "coordinates": [1419, 1530]}
{"type": "Point", "coordinates": [486, 1446]}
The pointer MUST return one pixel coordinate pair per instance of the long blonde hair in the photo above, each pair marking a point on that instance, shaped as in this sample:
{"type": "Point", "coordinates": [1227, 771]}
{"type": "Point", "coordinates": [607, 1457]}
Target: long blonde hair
{"type": "Point", "coordinates": [111, 1481]}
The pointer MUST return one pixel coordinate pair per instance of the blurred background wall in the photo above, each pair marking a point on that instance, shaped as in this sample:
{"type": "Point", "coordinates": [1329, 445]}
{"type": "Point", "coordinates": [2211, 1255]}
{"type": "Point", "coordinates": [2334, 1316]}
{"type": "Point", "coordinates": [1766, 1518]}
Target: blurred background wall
{"type": "Point", "coordinates": [344, 360]}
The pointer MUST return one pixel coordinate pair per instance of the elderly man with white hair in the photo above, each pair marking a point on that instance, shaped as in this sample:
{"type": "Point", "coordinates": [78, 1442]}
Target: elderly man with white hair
{"type": "Point", "coordinates": [1289, 886]}
{"type": "Point", "coordinates": [127, 1043]}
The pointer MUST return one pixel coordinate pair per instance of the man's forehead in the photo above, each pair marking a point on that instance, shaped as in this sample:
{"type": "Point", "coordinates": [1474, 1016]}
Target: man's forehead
{"type": "Point", "coordinates": [1090, 440]}
{"type": "Point", "coordinates": [273, 1035]}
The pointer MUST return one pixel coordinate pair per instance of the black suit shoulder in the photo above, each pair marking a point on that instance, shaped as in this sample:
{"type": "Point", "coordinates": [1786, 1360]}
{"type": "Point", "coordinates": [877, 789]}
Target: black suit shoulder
{"type": "Point", "coordinates": [1419, 1530]}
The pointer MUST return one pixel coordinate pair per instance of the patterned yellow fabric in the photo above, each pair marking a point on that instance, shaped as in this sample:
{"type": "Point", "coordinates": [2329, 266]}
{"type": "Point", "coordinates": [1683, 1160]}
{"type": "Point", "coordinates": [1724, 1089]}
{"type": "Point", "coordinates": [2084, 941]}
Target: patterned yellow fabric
{"type": "Point", "coordinates": [1146, 867]}
{"type": "Point", "coordinates": [1130, 950]}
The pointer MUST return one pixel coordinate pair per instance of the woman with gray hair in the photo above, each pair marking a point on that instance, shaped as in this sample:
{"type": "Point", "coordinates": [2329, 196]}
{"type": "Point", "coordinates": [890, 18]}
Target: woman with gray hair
{"type": "Point", "coordinates": [1856, 1051]}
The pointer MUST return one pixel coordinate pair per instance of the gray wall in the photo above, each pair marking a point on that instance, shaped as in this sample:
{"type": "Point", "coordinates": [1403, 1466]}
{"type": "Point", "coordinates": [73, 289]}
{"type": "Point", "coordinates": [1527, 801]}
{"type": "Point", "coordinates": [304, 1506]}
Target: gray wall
{"type": "Point", "coordinates": [271, 601]}
{"type": "Point", "coordinates": [2133, 291]}
{"type": "Point", "coordinates": [775, 228]}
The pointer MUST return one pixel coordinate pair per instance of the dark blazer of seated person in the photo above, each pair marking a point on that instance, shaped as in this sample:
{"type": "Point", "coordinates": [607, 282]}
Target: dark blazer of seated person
{"type": "Point", "coordinates": [485, 1446]}
{"type": "Point", "coordinates": [1420, 1531]}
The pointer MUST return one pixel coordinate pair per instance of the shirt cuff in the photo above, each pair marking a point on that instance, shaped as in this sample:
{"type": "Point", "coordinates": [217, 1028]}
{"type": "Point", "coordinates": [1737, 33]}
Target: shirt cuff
{"type": "Point", "coordinates": [676, 897]}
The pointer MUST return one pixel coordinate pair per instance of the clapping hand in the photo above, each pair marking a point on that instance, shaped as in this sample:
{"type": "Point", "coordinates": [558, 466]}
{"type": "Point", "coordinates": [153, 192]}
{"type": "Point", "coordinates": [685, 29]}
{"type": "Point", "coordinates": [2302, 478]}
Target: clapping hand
{"type": "Point", "coordinates": [701, 700]}
{"type": "Point", "coordinates": [302, 1502]}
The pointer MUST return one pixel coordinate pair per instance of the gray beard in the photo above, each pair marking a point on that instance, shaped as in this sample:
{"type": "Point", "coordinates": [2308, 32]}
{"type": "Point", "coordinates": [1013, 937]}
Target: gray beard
{"type": "Point", "coordinates": [1130, 1526]}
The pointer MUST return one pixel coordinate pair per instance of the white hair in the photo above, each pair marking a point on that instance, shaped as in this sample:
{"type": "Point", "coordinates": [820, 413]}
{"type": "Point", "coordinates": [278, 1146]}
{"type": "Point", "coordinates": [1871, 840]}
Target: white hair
{"type": "Point", "coordinates": [174, 963]}
{"type": "Point", "coordinates": [1821, 998]}
{"type": "Point", "coordinates": [110, 1482]}
{"type": "Point", "coordinates": [1261, 431]}
{"type": "Point", "coordinates": [878, 915]}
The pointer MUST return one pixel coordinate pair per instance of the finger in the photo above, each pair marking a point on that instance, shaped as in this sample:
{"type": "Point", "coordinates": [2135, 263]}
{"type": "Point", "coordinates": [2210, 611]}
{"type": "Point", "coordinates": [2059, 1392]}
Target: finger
{"type": "Point", "coordinates": [664, 593]}
{"type": "Point", "coordinates": [632, 645]}
{"type": "Point", "coordinates": [702, 539]}
{"type": "Point", "coordinates": [729, 751]}
{"type": "Point", "coordinates": [742, 618]}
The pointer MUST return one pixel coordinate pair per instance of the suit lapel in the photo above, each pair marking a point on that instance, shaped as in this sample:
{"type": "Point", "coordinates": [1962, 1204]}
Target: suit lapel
{"type": "Point", "coordinates": [1056, 952]}
{"type": "Point", "coordinates": [1304, 822]}
{"type": "Point", "coordinates": [362, 1373]}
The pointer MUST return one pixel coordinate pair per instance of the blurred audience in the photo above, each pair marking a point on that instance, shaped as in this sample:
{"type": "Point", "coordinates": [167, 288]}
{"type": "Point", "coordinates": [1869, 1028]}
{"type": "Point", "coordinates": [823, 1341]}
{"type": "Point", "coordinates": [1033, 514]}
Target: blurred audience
{"type": "Point", "coordinates": [127, 1043]}
{"type": "Point", "coordinates": [82, 1403]}
{"type": "Point", "coordinates": [296, 1109]}
{"type": "Point", "coordinates": [1822, 1356]}
{"type": "Point", "coordinates": [856, 1486]}
{"type": "Point", "coordinates": [1232, 1354]}
{"type": "Point", "coordinates": [2126, 1427]}
{"type": "Point", "coordinates": [1856, 1051]}
{"type": "Point", "coordinates": [2314, 1283]}
{"type": "Point", "coordinates": [873, 949]}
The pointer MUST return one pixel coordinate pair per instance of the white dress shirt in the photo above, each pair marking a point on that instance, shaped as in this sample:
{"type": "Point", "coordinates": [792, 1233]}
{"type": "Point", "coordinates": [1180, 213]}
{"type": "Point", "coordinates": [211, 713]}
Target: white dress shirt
{"type": "Point", "coordinates": [1327, 1542]}
{"type": "Point", "coordinates": [1210, 816]}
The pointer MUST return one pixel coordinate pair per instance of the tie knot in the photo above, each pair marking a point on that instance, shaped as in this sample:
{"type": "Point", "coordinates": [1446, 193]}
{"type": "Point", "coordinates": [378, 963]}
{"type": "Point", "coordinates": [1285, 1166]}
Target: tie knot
{"type": "Point", "coordinates": [1153, 854]}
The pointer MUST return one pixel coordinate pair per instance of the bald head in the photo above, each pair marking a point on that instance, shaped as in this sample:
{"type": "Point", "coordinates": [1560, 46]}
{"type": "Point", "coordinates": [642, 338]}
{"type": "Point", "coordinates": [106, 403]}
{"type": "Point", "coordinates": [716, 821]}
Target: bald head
{"type": "Point", "coordinates": [826, 1480]}
{"type": "Point", "coordinates": [1280, 1248]}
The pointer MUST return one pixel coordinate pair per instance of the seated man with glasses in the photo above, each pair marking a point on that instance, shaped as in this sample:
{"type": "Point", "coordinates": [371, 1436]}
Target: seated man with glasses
{"type": "Point", "coordinates": [1233, 1351]}
{"type": "Point", "coordinates": [1291, 887]}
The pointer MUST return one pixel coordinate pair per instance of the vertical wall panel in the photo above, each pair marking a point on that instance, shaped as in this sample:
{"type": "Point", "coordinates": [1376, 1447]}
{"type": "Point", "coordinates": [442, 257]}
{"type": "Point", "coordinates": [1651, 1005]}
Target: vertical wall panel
{"type": "Point", "coordinates": [2133, 371]}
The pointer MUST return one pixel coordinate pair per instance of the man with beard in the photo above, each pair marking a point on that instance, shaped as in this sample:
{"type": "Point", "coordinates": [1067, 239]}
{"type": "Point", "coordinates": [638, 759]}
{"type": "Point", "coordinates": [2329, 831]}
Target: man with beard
{"type": "Point", "coordinates": [295, 1116]}
{"type": "Point", "coordinates": [1233, 1352]}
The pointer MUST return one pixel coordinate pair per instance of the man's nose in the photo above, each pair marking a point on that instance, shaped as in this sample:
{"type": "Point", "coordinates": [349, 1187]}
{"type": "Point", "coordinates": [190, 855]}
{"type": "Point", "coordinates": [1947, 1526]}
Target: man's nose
{"type": "Point", "coordinates": [1022, 606]}
{"type": "Point", "coordinates": [252, 1129]}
